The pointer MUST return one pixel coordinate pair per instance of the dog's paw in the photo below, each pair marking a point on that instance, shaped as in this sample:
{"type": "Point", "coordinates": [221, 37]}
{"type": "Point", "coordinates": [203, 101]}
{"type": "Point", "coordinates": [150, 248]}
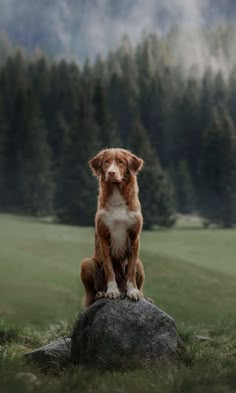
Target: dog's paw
{"type": "Point", "coordinates": [112, 290]}
{"type": "Point", "coordinates": [100, 295]}
{"type": "Point", "coordinates": [112, 294]}
{"type": "Point", "coordinates": [134, 294]}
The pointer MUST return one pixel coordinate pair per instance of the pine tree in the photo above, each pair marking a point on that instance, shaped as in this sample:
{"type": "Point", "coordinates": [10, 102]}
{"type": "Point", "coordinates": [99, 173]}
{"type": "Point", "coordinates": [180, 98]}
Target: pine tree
{"type": "Point", "coordinates": [33, 173]}
{"type": "Point", "coordinates": [63, 98]}
{"type": "Point", "coordinates": [13, 77]}
{"type": "Point", "coordinates": [60, 140]}
{"type": "Point", "coordinates": [157, 103]}
{"type": "Point", "coordinates": [185, 194]}
{"type": "Point", "coordinates": [100, 69]}
{"type": "Point", "coordinates": [156, 191]}
{"type": "Point", "coordinates": [35, 170]}
{"type": "Point", "coordinates": [76, 189]}
{"type": "Point", "coordinates": [139, 142]}
{"type": "Point", "coordinates": [3, 138]}
{"type": "Point", "coordinates": [123, 90]}
{"type": "Point", "coordinates": [123, 102]}
{"type": "Point", "coordinates": [76, 193]}
{"type": "Point", "coordinates": [157, 198]}
{"type": "Point", "coordinates": [189, 134]}
{"type": "Point", "coordinates": [220, 91]}
{"type": "Point", "coordinates": [206, 99]}
{"type": "Point", "coordinates": [113, 65]}
{"type": "Point", "coordinates": [232, 94]}
{"type": "Point", "coordinates": [218, 169]}
{"type": "Point", "coordinates": [107, 129]}
{"type": "Point", "coordinates": [6, 48]}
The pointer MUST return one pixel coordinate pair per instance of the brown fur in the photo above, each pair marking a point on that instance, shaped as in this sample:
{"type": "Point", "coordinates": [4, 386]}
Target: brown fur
{"type": "Point", "coordinates": [116, 169]}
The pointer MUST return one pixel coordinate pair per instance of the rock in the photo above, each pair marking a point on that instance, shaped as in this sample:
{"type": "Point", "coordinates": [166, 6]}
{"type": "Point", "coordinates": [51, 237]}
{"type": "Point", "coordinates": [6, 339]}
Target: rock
{"type": "Point", "coordinates": [116, 334]}
{"type": "Point", "coordinates": [52, 357]}
{"type": "Point", "coordinates": [29, 378]}
{"type": "Point", "coordinates": [113, 334]}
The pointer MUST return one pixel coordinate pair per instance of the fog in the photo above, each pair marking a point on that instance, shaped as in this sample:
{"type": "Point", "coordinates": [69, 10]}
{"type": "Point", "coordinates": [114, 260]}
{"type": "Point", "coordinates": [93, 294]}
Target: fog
{"type": "Point", "coordinates": [84, 28]}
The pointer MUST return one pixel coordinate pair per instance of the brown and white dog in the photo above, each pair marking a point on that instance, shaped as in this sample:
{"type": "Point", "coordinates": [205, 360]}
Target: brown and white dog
{"type": "Point", "coordinates": [115, 266]}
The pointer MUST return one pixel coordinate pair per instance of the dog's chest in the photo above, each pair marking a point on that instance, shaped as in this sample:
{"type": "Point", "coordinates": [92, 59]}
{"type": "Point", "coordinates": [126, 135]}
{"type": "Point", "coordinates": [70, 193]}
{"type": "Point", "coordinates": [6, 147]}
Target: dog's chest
{"type": "Point", "coordinates": [118, 219]}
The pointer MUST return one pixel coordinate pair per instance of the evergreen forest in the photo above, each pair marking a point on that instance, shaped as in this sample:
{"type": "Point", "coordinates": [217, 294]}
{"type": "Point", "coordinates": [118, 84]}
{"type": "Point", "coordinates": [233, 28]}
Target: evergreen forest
{"type": "Point", "coordinates": [56, 114]}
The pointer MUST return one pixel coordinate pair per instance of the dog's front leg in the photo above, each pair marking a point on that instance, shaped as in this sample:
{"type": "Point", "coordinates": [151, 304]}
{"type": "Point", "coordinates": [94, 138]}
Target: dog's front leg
{"type": "Point", "coordinates": [132, 291]}
{"type": "Point", "coordinates": [112, 288]}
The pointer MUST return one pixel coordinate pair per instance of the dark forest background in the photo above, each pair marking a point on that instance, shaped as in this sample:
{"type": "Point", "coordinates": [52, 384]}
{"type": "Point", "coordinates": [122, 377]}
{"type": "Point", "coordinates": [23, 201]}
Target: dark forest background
{"type": "Point", "coordinates": [55, 115]}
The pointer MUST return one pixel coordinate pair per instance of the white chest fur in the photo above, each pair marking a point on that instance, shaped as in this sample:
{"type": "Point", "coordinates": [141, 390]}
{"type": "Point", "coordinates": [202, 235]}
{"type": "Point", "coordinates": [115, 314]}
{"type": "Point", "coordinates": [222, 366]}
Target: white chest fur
{"type": "Point", "coordinates": [118, 219]}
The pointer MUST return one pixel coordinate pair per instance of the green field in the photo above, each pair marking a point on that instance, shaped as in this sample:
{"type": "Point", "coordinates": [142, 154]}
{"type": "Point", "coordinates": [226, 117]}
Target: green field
{"type": "Point", "coordinates": [191, 274]}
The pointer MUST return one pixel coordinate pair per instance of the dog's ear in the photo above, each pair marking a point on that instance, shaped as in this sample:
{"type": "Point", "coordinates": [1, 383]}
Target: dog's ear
{"type": "Point", "coordinates": [96, 164]}
{"type": "Point", "coordinates": [135, 164]}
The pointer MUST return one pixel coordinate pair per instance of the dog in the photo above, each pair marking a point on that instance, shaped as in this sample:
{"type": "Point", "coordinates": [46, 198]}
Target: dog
{"type": "Point", "coordinates": [115, 267]}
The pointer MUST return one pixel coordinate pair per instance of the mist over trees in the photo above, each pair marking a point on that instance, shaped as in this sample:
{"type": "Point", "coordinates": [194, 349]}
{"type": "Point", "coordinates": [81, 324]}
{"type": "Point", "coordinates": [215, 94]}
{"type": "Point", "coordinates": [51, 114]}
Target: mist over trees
{"type": "Point", "coordinates": [54, 116]}
{"type": "Point", "coordinates": [76, 29]}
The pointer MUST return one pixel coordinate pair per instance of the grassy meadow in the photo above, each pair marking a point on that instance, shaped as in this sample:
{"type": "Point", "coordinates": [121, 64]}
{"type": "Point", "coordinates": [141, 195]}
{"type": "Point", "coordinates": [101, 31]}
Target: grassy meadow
{"type": "Point", "coordinates": [190, 273]}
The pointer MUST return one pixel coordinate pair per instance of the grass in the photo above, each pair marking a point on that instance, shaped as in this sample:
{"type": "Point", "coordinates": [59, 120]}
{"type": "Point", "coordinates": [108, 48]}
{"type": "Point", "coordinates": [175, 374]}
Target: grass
{"type": "Point", "coordinates": [39, 270]}
{"type": "Point", "coordinates": [189, 273]}
{"type": "Point", "coordinates": [210, 366]}
{"type": "Point", "coordinates": [213, 248]}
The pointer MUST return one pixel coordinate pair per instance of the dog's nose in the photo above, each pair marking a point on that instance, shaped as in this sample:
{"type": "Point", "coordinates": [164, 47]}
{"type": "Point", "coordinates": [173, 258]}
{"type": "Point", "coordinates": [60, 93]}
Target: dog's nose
{"type": "Point", "coordinates": [111, 173]}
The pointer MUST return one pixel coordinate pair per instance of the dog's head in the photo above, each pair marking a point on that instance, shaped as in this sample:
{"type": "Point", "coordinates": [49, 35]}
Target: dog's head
{"type": "Point", "coordinates": [115, 165]}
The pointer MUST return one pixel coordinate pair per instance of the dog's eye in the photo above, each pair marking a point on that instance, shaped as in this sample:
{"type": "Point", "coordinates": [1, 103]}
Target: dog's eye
{"type": "Point", "coordinates": [121, 162]}
{"type": "Point", "coordinates": [106, 161]}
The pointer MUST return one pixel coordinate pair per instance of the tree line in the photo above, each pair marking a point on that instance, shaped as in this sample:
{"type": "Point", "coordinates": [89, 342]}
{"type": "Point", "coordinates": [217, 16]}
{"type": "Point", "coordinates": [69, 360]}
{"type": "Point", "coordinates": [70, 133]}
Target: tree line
{"type": "Point", "coordinates": [54, 116]}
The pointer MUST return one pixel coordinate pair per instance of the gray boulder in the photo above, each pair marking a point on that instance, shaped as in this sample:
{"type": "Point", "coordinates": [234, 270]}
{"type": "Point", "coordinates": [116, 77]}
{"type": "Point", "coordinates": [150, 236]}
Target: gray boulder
{"type": "Point", "coordinates": [52, 357]}
{"type": "Point", "coordinates": [116, 334]}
